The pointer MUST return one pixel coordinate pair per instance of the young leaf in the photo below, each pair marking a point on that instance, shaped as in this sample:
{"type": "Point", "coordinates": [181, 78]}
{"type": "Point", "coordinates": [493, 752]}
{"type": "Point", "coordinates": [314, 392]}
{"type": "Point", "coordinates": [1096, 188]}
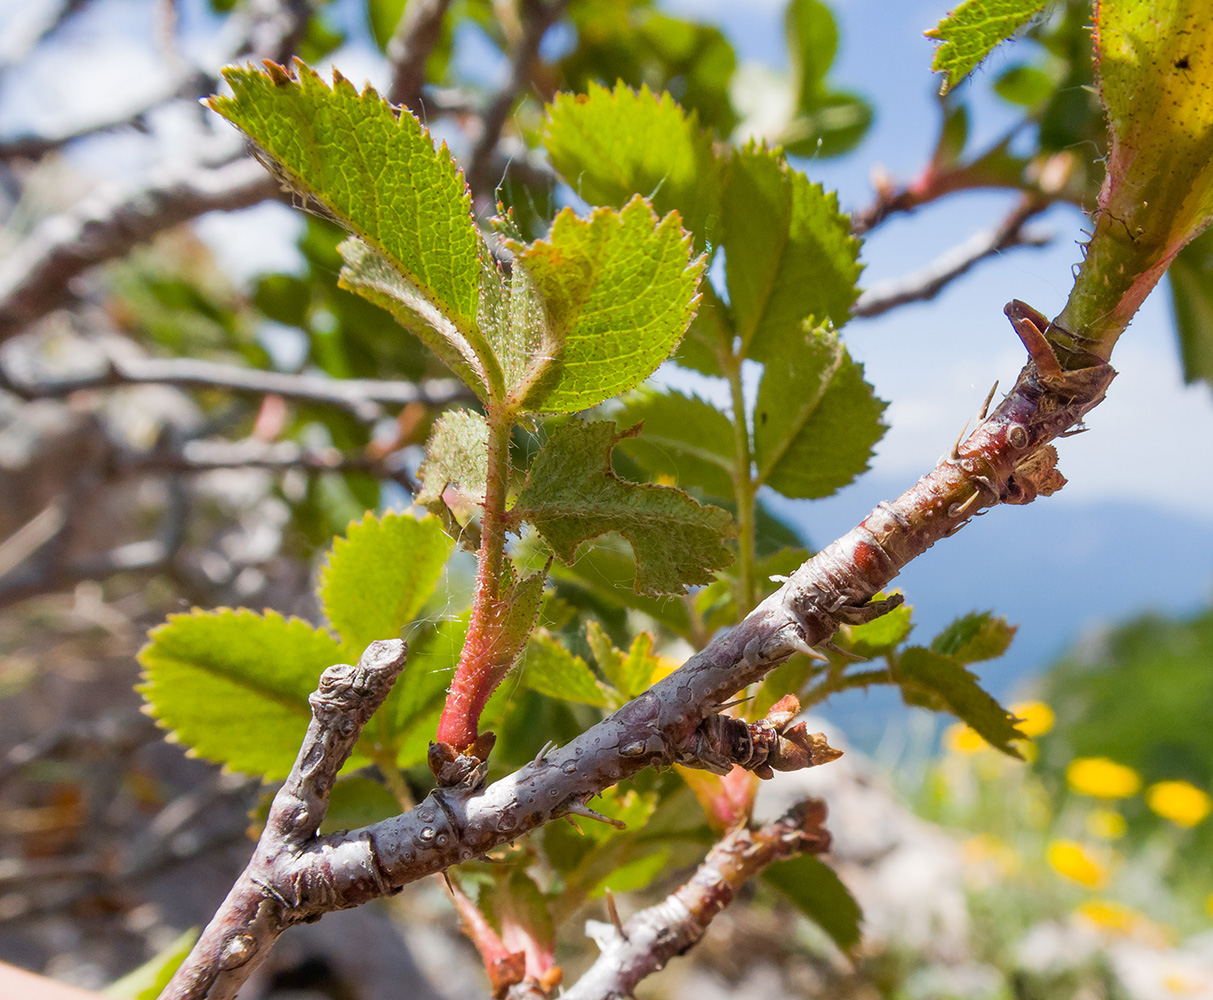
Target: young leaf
{"type": "Point", "coordinates": [815, 420]}
{"type": "Point", "coordinates": [233, 685]}
{"type": "Point", "coordinates": [377, 578]}
{"type": "Point", "coordinates": [630, 673]}
{"type": "Point", "coordinates": [620, 292]}
{"type": "Point", "coordinates": [788, 253]}
{"type": "Point", "coordinates": [684, 438]}
{"type": "Point", "coordinates": [457, 452]}
{"type": "Point", "coordinates": [820, 895]}
{"type": "Point", "coordinates": [571, 495]}
{"type": "Point", "coordinates": [925, 671]}
{"type": "Point", "coordinates": [973, 30]}
{"type": "Point", "coordinates": [610, 145]}
{"type": "Point", "coordinates": [973, 637]}
{"type": "Point", "coordinates": [550, 669]}
{"type": "Point", "coordinates": [378, 173]}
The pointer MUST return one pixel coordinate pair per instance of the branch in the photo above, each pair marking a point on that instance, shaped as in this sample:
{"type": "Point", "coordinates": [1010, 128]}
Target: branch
{"type": "Point", "coordinates": [36, 277]}
{"type": "Point", "coordinates": [653, 936]}
{"type": "Point", "coordinates": [362, 398]}
{"type": "Point", "coordinates": [409, 48]}
{"type": "Point", "coordinates": [925, 284]}
{"type": "Point", "coordinates": [537, 17]}
{"type": "Point", "coordinates": [256, 912]}
{"type": "Point", "coordinates": [1007, 459]}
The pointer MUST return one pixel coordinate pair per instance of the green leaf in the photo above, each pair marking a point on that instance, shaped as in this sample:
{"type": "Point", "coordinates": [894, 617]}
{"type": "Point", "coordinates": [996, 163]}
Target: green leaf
{"type": "Point", "coordinates": [571, 495]}
{"type": "Point", "coordinates": [612, 144]}
{"type": "Point", "coordinates": [630, 673]}
{"type": "Point", "coordinates": [375, 169]}
{"type": "Point", "coordinates": [149, 980]}
{"type": "Point", "coordinates": [788, 253]}
{"type": "Point", "coordinates": [233, 685]}
{"type": "Point", "coordinates": [456, 453]}
{"type": "Point", "coordinates": [550, 669]}
{"type": "Point", "coordinates": [377, 578]}
{"type": "Point", "coordinates": [924, 671]}
{"type": "Point", "coordinates": [812, 43]}
{"type": "Point", "coordinates": [383, 16]}
{"type": "Point", "coordinates": [882, 634]}
{"type": "Point", "coordinates": [974, 637]}
{"type": "Point", "coordinates": [820, 895]}
{"type": "Point", "coordinates": [973, 30]}
{"type": "Point", "coordinates": [416, 699]}
{"type": "Point", "coordinates": [637, 873]}
{"type": "Point", "coordinates": [833, 124]}
{"type": "Point", "coordinates": [620, 293]}
{"type": "Point", "coordinates": [1024, 85]}
{"type": "Point", "coordinates": [816, 420]}
{"type": "Point", "coordinates": [1192, 299]}
{"type": "Point", "coordinates": [684, 438]}
{"type": "Point", "coordinates": [357, 802]}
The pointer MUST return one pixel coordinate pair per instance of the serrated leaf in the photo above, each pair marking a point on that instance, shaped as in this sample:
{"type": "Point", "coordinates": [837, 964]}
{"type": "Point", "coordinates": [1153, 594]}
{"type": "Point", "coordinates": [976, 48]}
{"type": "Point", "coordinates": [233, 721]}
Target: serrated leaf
{"type": "Point", "coordinates": [612, 144]}
{"type": "Point", "coordinates": [973, 30]}
{"type": "Point", "coordinates": [974, 637]}
{"type": "Point", "coordinates": [788, 253]}
{"type": "Point", "coordinates": [630, 673]}
{"type": "Point", "coordinates": [684, 438]}
{"type": "Point", "coordinates": [1191, 276]}
{"type": "Point", "coordinates": [149, 980]}
{"type": "Point", "coordinates": [571, 495]}
{"type": "Point", "coordinates": [944, 678]}
{"type": "Point", "coordinates": [550, 669]}
{"type": "Point", "coordinates": [376, 170]}
{"type": "Point", "coordinates": [882, 634]}
{"type": "Point", "coordinates": [820, 895]}
{"type": "Point", "coordinates": [456, 453]}
{"type": "Point", "coordinates": [816, 420]}
{"type": "Point", "coordinates": [233, 685]}
{"type": "Point", "coordinates": [377, 578]}
{"type": "Point", "coordinates": [620, 293]}
{"type": "Point", "coordinates": [356, 802]}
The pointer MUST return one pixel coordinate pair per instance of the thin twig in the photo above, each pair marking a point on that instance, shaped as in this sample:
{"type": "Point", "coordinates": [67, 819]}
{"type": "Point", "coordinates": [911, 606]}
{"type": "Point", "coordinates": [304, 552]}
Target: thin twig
{"type": "Point", "coordinates": [656, 934]}
{"type": "Point", "coordinates": [409, 48]}
{"type": "Point", "coordinates": [926, 283]}
{"type": "Point", "coordinates": [36, 276]}
{"type": "Point", "coordinates": [363, 398]}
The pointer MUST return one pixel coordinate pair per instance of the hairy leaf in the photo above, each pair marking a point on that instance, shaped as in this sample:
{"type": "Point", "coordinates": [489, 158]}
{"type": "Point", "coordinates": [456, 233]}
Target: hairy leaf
{"type": "Point", "coordinates": [457, 452]}
{"type": "Point", "coordinates": [973, 30]}
{"type": "Point", "coordinates": [376, 170]}
{"type": "Point", "coordinates": [1192, 299]}
{"type": "Point", "coordinates": [684, 438]}
{"type": "Point", "coordinates": [974, 637]}
{"type": "Point", "coordinates": [550, 669]}
{"type": "Point", "coordinates": [620, 292]}
{"type": "Point", "coordinates": [820, 895]}
{"type": "Point", "coordinates": [571, 495]}
{"type": "Point", "coordinates": [788, 253]}
{"type": "Point", "coordinates": [926, 671]}
{"type": "Point", "coordinates": [815, 420]}
{"type": "Point", "coordinates": [612, 144]}
{"type": "Point", "coordinates": [233, 685]}
{"type": "Point", "coordinates": [377, 578]}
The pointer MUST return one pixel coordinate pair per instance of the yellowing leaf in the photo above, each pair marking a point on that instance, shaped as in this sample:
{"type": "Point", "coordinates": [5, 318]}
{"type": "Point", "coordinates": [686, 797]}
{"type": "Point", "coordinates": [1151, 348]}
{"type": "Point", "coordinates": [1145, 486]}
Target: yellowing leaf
{"type": "Point", "coordinates": [571, 495]}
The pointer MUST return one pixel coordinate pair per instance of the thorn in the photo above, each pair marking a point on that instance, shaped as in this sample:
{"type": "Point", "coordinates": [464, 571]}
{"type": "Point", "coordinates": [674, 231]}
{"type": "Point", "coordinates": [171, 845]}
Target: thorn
{"type": "Point", "coordinates": [968, 503]}
{"type": "Point", "coordinates": [581, 809]}
{"type": "Point", "coordinates": [954, 454]}
{"type": "Point", "coordinates": [798, 643]}
{"type": "Point", "coordinates": [613, 913]}
{"type": "Point", "coordinates": [573, 823]}
{"type": "Point", "coordinates": [985, 407]}
{"type": "Point", "coordinates": [736, 701]}
{"type": "Point", "coordinates": [1079, 429]}
{"type": "Point", "coordinates": [450, 887]}
{"type": "Point", "coordinates": [544, 750]}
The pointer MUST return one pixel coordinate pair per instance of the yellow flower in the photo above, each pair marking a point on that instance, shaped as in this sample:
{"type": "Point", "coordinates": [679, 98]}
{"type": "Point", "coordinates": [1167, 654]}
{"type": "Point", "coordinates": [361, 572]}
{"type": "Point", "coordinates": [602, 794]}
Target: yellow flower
{"type": "Point", "coordinates": [1072, 860]}
{"type": "Point", "coordinates": [1102, 778]}
{"type": "Point", "coordinates": [1110, 916]}
{"type": "Point", "coordinates": [1182, 803]}
{"type": "Point", "coordinates": [1035, 718]}
{"type": "Point", "coordinates": [959, 738]}
{"type": "Point", "coordinates": [1209, 904]}
{"type": "Point", "coordinates": [1106, 824]}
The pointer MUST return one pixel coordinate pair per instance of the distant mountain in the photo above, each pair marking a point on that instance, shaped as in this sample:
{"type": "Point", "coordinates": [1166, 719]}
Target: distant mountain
{"type": "Point", "coordinates": [1057, 569]}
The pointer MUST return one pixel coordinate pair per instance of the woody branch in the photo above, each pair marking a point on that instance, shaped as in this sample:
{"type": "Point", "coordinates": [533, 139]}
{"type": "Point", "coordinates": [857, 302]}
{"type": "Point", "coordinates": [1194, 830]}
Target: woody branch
{"type": "Point", "coordinates": [1007, 459]}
